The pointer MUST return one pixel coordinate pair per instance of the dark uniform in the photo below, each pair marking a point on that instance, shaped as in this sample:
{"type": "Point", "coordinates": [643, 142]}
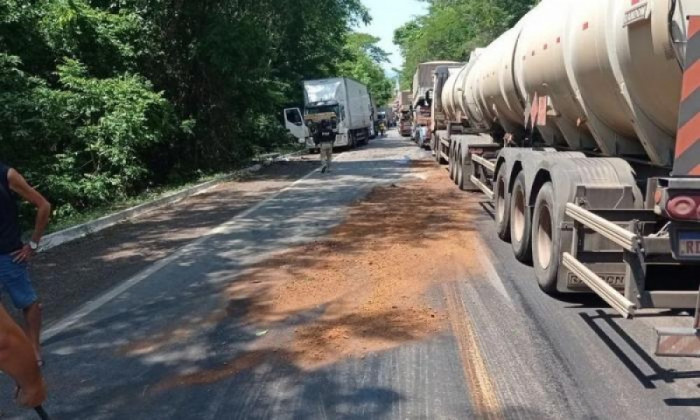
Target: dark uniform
{"type": "Point", "coordinates": [324, 137]}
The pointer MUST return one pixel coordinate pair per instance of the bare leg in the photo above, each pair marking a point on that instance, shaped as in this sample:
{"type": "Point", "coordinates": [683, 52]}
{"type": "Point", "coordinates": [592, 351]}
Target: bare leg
{"type": "Point", "coordinates": [17, 361]}
{"type": "Point", "coordinates": [32, 315]}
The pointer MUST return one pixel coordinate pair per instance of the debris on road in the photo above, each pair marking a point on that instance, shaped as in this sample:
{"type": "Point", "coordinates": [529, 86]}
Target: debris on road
{"type": "Point", "coordinates": [370, 286]}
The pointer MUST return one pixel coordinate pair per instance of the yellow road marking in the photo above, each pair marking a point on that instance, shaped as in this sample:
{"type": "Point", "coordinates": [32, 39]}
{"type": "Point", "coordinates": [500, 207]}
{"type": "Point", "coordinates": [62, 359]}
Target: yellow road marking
{"type": "Point", "coordinates": [485, 401]}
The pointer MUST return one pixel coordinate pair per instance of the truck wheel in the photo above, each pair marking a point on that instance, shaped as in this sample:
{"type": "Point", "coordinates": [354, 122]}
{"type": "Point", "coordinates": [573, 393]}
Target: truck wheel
{"type": "Point", "coordinates": [439, 157]}
{"type": "Point", "coordinates": [520, 221]}
{"type": "Point", "coordinates": [436, 149]}
{"type": "Point", "coordinates": [501, 201]}
{"type": "Point", "coordinates": [459, 179]}
{"type": "Point", "coordinates": [455, 166]}
{"type": "Point", "coordinates": [451, 163]}
{"type": "Point", "coordinates": [546, 240]}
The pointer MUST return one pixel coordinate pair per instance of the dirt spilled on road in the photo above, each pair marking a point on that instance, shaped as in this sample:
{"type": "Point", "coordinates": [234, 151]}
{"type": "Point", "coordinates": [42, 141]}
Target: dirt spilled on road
{"type": "Point", "coordinates": [369, 286]}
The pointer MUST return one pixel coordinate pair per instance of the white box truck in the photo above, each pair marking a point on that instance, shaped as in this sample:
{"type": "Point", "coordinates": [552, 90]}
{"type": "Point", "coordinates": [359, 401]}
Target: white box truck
{"type": "Point", "coordinates": [346, 99]}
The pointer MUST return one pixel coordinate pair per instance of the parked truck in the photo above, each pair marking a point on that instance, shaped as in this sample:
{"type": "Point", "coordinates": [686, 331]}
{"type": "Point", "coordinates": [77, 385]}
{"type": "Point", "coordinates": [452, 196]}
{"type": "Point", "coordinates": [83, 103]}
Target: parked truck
{"type": "Point", "coordinates": [343, 101]}
{"type": "Point", "coordinates": [388, 115]}
{"type": "Point", "coordinates": [587, 123]}
{"type": "Point", "coordinates": [404, 113]}
{"type": "Point", "coordinates": [423, 91]}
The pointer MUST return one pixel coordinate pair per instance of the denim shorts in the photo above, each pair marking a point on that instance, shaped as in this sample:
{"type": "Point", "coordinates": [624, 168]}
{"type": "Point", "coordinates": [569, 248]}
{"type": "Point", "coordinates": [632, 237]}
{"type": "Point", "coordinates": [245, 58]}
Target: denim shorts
{"type": "Point", "coordinates": [14, 279]}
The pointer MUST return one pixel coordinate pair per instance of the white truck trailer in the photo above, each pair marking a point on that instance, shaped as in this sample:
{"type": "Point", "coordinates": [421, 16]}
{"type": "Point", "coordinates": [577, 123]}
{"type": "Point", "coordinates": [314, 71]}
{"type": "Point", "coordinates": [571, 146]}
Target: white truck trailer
{"type": "Point", "coordinates": [593, 158]}
{"type": "Point", "coordinates": [347, 99]}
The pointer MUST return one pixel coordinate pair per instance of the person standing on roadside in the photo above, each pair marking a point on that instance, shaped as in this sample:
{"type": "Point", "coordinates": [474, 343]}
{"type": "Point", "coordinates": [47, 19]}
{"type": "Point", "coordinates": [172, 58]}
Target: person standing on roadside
{"type": "Point", "coordinates": [14, 255]}
{"type": "Point", "coordinates": [17, 360]}
{"type": "Point", "coordinates": [324, 139]}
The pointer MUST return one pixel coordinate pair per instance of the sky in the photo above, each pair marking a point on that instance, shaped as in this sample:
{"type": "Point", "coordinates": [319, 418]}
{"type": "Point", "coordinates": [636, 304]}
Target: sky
{"type": "Point", "coordinates": [387, 16]}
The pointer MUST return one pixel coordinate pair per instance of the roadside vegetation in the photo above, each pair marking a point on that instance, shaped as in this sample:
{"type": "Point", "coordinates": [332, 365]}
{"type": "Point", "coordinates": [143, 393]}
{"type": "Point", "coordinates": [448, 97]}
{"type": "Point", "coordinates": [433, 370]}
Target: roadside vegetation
{"type": "Point", "coordinates": [103, 100]}
{"type": "Point", "coordinates": [453, 28]}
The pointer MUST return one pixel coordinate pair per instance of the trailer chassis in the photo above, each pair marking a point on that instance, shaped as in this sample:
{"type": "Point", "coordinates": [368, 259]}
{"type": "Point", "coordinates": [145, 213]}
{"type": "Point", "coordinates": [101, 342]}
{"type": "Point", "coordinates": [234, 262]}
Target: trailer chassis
{"type": "Point", "coordinates": [635, 233]}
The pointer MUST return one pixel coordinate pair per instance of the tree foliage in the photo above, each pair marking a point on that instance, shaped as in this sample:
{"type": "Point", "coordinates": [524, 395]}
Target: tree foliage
{"type": "Point", "coordinates": [100, 99]}
{"type": "Point", "coordinates": [453, 28]}
{"type": "Point", "coordinates": [362, 61]}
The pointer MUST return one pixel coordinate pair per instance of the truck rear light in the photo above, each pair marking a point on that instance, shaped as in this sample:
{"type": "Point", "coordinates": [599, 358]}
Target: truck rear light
{"type": "Point", "coordinates": [684, 207]}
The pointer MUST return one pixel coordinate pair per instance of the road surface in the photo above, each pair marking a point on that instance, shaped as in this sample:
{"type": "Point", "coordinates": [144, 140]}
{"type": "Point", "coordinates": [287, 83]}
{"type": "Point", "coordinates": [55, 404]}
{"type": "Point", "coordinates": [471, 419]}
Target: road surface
{"type": "Point", "coordinates": [376, 291]}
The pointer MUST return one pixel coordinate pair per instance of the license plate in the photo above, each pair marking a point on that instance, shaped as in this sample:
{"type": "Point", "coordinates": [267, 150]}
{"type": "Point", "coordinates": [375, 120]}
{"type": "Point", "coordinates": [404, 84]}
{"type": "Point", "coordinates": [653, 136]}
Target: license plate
{"type": "Point", "coordinates": [615, 280]}
{"type": "Point", "coordinates": [689, 244]}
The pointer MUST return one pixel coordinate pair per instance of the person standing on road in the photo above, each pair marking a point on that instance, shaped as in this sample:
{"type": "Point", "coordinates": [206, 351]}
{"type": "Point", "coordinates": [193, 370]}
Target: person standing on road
{"type": "Point", "coordinates": [18, 361]}
{"type": "Point", "coordinates": [14, 255]}
{"type": "Point", "coordinates": [324, 139]}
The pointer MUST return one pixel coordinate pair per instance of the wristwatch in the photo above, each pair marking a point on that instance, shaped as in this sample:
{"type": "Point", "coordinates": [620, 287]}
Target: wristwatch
{"type": "Point", "coordinates": [33, 245]}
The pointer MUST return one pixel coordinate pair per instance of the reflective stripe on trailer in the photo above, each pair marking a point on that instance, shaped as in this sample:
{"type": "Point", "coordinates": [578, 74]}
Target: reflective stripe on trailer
{"type": "Point", "coordinates": [687, 160]}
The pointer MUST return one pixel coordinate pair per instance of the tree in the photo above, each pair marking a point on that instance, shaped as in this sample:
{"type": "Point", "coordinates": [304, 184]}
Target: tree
{"type": "Point", "coordinates": [100, 99]}
{"type": "Point", "coordinates": [453, 28]}
{"type": "Point", "coordinates": [362, 61]}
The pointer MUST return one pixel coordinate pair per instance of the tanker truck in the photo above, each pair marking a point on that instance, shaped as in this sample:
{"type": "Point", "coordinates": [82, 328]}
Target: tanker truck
{"type": "Point", "coordinates": [588, 145]}
{"type": "Point", "coordinates": [344, 101]}
{"type": "Point", "coordinates": [440, 77]}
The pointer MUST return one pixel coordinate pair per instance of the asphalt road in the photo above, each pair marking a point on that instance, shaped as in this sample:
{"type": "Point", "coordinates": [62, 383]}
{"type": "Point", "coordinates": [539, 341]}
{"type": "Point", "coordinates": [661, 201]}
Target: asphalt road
{"type": "Point", "coordinates": [510, 351]}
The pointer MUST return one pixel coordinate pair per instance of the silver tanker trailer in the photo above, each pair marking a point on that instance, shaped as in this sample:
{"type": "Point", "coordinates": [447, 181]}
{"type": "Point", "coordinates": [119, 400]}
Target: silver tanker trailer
{"type": "Point", "coordinates": [592, 158]}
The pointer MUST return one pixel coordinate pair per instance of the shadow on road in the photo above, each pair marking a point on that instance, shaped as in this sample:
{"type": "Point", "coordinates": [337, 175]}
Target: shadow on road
{"type": "Point", "coordinates": [647, 381]}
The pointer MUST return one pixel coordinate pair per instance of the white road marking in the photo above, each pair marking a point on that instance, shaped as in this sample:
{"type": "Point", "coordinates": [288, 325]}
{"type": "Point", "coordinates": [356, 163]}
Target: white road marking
{"type": "Point", "coordinates": [97, 303]}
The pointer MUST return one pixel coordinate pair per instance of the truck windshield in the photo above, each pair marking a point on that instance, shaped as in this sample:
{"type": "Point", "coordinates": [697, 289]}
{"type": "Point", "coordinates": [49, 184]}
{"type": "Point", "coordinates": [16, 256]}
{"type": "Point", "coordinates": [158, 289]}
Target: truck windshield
{"type": "Point", "coordinates": [322, 109]}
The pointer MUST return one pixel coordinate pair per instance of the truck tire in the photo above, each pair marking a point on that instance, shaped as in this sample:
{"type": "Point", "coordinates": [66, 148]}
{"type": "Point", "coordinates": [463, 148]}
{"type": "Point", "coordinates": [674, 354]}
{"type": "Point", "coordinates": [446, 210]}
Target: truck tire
{"type": "Point", "coordinates": [439, 157]}
{"type": "Point", "coordinates": [455, 166]}
{"type": "Point", "coordinates": [501, 203]}
{"type": "Point", "coordinates": [459, 178]}
{"type": "Point", "coordinates": [546, 240]}
{"type": "Point", "coordinates": [520, 221]}
{"type": "Point", "coordinates": [451, 163]}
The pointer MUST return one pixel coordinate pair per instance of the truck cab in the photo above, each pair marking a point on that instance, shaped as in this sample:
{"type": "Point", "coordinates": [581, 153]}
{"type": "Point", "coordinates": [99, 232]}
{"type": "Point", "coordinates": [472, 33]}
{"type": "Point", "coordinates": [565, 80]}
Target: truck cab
{"type": "Point", "coordinates": [294, 123]}
{"type": "Point", "coordinates": [421, 120]}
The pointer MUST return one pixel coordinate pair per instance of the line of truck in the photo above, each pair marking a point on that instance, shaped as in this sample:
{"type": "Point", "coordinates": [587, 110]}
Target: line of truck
{"type": "Point", "coordinates": [581, 124]}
